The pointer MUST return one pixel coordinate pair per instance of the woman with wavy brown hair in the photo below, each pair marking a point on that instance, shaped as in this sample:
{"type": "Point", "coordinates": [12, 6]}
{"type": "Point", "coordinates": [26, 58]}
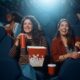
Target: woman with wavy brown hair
{"type": "Point", "coordinates": [65, 44]}
{"type": "Point", "coordinates": [34, 37]}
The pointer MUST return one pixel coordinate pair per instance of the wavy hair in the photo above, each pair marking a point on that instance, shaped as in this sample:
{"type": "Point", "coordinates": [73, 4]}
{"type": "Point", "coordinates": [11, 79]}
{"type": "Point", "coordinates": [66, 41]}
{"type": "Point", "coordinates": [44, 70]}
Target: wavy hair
{"type": "Point", "coordinates": [36, 28]}
{"type": "Point", "coordinates": [70, 36]}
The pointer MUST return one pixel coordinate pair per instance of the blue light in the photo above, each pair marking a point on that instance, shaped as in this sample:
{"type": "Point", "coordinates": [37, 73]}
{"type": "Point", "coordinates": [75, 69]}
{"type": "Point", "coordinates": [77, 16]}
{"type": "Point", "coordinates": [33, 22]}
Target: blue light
{"type": "Point", "coordinates": [45, 9]}
{"type": "Point", "coordinates": [46, 4]}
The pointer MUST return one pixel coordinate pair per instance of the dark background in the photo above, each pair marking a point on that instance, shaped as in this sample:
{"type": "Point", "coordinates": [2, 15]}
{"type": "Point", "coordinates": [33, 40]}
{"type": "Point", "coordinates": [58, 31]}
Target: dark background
{"type": "Point", "coordinates": [48, 16]}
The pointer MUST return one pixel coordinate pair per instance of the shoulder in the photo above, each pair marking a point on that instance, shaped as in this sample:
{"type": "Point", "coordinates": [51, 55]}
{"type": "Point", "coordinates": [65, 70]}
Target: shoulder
{"type": "Point", "coordinates": [56, 39]}
{"type": "Point", "coordinates": [7, 25]}
{"type": "Point", "coordinates": [17, 24]}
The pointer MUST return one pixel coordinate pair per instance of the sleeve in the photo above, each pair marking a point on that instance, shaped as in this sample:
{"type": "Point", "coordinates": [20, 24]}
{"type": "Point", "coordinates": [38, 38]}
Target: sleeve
{"type": "Point", "coordinates": [54, 51]}
{"type": "Point", "coordinates": [17, 30]}
{"type": "Point", "coordinates": [14, 51]}
{"type": "Point", "coordinates": [43, 41]}
{"type": "Point", "coordinates": [77, 40]}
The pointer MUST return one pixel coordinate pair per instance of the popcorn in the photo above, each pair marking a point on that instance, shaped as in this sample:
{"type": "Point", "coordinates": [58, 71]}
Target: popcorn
{"type": "Point", "coordinates": [36, 61]}
{"type": "Point", "coordinates": [36, 55]}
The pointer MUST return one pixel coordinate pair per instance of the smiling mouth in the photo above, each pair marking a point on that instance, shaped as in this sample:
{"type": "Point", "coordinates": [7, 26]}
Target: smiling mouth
{"type": "Point", "coordinates": [64, 31]}
{"type": "Point", "coordinates": [27, 28]}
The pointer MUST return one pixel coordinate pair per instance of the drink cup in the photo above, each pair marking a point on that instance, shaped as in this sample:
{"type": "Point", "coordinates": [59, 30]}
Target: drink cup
{"type": "Point", "coordinates": [22, 40]}
{"type": "Point", "coordinates": [51, 69]}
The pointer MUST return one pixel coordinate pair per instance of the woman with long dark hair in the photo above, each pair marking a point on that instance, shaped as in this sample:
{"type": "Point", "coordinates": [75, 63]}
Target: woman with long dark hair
{"type": "Point", "coordinates": [34, 37]}
{"type": "Point", "coordinates": [64, 44]}
{"type": "Point", "coordinates": [35, 31]}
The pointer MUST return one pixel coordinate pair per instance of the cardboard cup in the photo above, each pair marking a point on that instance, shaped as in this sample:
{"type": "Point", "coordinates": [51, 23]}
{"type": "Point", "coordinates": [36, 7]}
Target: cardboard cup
{"type": "Point", "coordinates": [51, 69]}
{"type": "Point", "coordinates": [23, 40]}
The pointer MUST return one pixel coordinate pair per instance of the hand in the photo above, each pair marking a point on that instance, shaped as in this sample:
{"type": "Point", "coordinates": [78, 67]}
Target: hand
{"type": "Point", "coordinates": [68, 55]}
{"type": "Point", "coordinates": [18, 38]}
{"type": "Point", "coordinates": [75, 55]}
{"type": "Point", "coordinates": [16, 42]}
{"type": "Point", "coordinates": [77, 44]}
{"type": "Point", "coordinates": [65, 56]}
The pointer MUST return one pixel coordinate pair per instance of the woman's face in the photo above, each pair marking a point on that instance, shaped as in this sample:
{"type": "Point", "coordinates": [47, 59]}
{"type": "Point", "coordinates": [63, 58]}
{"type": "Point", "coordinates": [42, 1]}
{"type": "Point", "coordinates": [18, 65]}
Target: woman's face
{"type": "Point", "coordinates": [27, 26]}
{"type": "Point", "coordinates": [63, 28]}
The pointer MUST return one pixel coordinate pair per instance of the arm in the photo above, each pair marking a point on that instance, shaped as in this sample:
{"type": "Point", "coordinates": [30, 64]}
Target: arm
{"type": "Point", "coordinates": [15, 49]}
{"type": "Point", "coordinates": [43, 41]}
{"type": "Point", "coordinates": [77, 43]}
{"type": "Point", "coordinates": [58, 51]}
{"type": "Point", "coordinates": [54, 51]}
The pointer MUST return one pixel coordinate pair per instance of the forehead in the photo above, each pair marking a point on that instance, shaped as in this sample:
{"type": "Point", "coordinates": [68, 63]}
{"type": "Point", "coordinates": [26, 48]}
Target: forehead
{"type": "Point", "coordinates": [64, 22]}
{"type": "Point", "coordinates": [27, 20]}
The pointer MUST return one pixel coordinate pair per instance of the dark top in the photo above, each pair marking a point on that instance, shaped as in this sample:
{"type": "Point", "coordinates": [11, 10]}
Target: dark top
{"type": "Point", "coordinates": [23, 58]}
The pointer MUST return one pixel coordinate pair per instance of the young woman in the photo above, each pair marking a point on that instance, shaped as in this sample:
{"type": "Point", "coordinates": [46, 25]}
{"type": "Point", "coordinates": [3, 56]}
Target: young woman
{"type": "Point", "coordinates": [34, 37]}
{"type": "Point", "coordinates": [64, 45]}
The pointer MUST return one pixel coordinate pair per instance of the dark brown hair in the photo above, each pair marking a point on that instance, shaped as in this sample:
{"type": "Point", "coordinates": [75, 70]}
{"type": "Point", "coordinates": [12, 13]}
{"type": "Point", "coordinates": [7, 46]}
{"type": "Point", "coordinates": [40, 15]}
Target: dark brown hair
{"type": "Point", "coordinates": [36, 29]}
{"type": "Point", "coordinates": [70, 36]}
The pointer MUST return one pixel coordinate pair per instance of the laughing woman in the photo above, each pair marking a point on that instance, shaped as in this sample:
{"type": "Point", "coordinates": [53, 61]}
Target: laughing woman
{"type": "Point", "coordinates": [64, 45]}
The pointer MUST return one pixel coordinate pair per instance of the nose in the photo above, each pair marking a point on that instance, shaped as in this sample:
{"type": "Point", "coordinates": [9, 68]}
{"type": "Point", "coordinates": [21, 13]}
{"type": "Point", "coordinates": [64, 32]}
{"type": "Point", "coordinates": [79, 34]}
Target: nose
{"type": "Point", "coordinates": [26, 25]}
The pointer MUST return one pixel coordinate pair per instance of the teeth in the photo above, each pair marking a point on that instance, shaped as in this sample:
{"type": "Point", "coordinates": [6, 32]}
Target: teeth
{"type": "Point", "coordinates": [63, 31]}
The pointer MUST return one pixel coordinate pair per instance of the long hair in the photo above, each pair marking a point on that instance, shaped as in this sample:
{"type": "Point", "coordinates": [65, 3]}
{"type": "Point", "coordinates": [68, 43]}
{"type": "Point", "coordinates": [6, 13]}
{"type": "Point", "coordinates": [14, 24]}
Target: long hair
{"type": "Point", "coordinates": [70, 36]}
{"type": "Point", "coordinates": [36, 28]}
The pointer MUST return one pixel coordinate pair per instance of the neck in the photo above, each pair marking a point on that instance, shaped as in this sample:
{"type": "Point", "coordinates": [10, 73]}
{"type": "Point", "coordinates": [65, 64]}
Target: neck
{"type": "Point", "coordinates": [64, 40]}
{"type": "Point", "coordinates": [29, 36]}
{"type": "Point", "coordinates": [12, 23]}
{"type": "Point", "coordinates": [63, 37]}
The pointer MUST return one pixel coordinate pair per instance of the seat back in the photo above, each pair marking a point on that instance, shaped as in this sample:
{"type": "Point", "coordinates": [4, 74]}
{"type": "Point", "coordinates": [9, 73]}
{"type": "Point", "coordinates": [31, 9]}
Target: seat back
{"type": "Point", "coordinates": [70, 70]}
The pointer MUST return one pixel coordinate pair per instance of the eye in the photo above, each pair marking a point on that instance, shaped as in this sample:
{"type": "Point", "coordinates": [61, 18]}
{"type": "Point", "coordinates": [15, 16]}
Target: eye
{"type": "Point", "coordinates": [62, 24]}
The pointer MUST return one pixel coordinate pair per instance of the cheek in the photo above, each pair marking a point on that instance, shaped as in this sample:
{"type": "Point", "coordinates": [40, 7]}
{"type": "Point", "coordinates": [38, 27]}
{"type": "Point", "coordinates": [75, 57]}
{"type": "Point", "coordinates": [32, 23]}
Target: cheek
{"type": "Point", "coordinates": [59, 29]}
{"type": "Point", "coordinates": [67, 29]}
{"type": "Point", "coordinates": [29, 27]}
{"type": "Point", "coordinates": [24, 27]}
